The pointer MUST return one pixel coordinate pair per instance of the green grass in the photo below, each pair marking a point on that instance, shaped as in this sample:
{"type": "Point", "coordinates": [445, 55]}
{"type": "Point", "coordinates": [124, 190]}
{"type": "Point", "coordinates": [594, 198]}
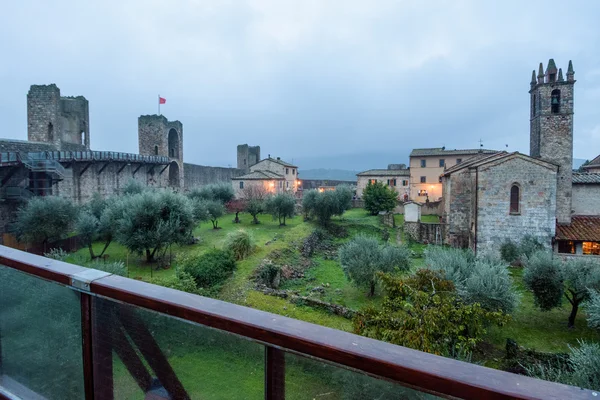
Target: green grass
{"type": "Point", "coordinates": [541, 330]}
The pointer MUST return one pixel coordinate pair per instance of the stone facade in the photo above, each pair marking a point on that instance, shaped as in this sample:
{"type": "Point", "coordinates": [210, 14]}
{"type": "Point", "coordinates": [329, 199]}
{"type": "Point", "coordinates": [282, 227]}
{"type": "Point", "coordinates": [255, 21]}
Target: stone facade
{"type": "Point", "coordinates": [56, 120]}
{"type": "Point", "coordinates": [396, 178]}
{"type": "Point", "coordinates": [586, 199]}
{"type": "Point", "coordinates": [158, 136]}
{"type": "Point", "coordinates": [247, 156]}
{"type": "Point", "coordinates": [478, 211]}
{"type": "Point", "coordinates": [551, 128]}
{"type": "Point", "coordinates": [288, 171]}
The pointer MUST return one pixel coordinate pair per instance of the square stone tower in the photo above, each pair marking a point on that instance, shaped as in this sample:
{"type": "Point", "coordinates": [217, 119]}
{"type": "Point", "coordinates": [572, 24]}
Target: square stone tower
{"type": "Point", "coordinates": [551, 129]}
{"type": "Point", "coordinates": [247, 156]}
{"type": "Point", "coordinates": [158, 136]}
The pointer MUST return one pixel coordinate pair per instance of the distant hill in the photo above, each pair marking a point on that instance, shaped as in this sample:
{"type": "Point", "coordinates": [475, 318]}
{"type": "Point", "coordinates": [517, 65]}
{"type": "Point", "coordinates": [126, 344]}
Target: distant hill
{"type": "Point", "coordinates": [325, 173]}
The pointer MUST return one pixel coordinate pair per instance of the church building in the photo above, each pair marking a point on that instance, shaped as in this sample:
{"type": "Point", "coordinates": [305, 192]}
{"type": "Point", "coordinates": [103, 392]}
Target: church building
{"type": "Point", "coordinates": [489, 199]}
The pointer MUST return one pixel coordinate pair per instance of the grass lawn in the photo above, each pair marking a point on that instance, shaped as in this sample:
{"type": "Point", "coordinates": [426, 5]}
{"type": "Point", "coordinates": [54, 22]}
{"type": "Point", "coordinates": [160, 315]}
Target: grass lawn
{"type": "Point", "coordinates": [541, 330]}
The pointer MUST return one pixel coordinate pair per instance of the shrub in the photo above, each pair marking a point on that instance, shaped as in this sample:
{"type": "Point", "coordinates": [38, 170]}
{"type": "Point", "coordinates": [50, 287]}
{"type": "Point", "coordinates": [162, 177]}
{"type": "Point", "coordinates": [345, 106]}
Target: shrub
{"type": "Point", "coordinates": [221, 192]}
{"type": "Point", "coordinates": [268, 274]}
{"type": "Point", "coordinates": [211, 268]}
{"type": "Point", "coordinates": [379, 197]}
{"type": "Point", "coordinates": [593, 310]}
{"type": "Point", "coordinates": [529, 245]}
{"type": "Point", "coordinates": [509, 251]}
{"type": "Point", "coordinates": [181, 281]}
{"type": "Point", "coordinates": [240, 243]}
{"type": "Point", "coordinates": [113, 267]}
{"type": "Point", "coordinates": [45, 219]}
{"type": "Point", "coordinates": [363, 257]}
{"type": "Point", "coordinates": [57, 254]}
{"type": "Point", "coordinates": [281, 206]}
{"type": "Point", "coordinates": [424, 312]}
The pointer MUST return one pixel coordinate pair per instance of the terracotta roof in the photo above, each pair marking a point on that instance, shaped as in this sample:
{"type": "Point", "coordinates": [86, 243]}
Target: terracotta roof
{"type": "Point", "coordinates": [278, 161]}
{"type": "Point", "coordinates": [477, 162]}
{"type": "Point", "coordinates": [259, 175]}
{"type": "Point", "coordinates": [582, 228]}
{"type": "Point", "coordinates": [473, 160]}
{"type": "Point", "coordinates": [441, 151]}
{"type": "Point", "coordinates": [385, 172]}
{"type": "Point", "coordinates": [595, 163]}
{"type": "Point", "coordinates": [586, 177]}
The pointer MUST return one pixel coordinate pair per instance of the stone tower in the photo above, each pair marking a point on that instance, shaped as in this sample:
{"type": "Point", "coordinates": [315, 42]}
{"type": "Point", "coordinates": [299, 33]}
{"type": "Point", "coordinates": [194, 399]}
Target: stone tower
{"type": "Point", "coordinates": [551, 129]}
{"type": "Point", "coordinates": [247, 156]}
{"type": "Point", "coordinates": [62, 121]}
{"type": "Point", "coordinates": [158, 136]}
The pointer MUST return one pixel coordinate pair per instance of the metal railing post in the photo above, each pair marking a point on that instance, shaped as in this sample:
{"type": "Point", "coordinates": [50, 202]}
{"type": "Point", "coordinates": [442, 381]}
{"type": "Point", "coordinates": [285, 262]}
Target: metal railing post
{"type": "Point", "coordinates": [274, 374]}
{"type": "Point", "coordinates": [86, 347]}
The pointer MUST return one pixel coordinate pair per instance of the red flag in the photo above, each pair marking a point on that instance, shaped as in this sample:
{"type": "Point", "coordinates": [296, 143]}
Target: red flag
{"type": "Point", "coordinates": [161, 100]}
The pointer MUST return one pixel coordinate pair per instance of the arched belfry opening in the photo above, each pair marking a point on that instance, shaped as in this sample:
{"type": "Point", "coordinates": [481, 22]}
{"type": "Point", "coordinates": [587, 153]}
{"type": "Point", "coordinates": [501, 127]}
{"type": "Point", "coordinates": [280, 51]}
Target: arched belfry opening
{"type": "Point", "coordinates": [555, 101]}
{"type": "Point", "coordinates": [173, 143]}
{"type": "Point", "coordinates": [174, 174]}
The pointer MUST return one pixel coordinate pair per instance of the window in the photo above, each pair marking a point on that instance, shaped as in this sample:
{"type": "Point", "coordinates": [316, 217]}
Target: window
{"type": "Point", "coordinates": [241, 184]}
{"type": "Point", "coordinates": [155, 150]}
{"type": "Point", "coordinates": [244, 161]}
{"type": "Point", "coordinates": [423, 179]}
{"type": "Point", "coordinates": [293, 171]}
{"type": "Point", "coordinates": [591, 248]}
{"type": "Point", "coordinates": [423, 163]}
{"type": "Point", "coordinates": [404, 183]}
{"type": "Point", "coordinates": [172, 153]}
{"type": "Point", "coordinates": [394, 183]}
{"type": "Point", "coordinates": [422, 192]}
{"type": "Point", "coordinates": [50, 131]}
{"type": "Point", "coordinates": [458, 160]}
{"type": "Point", "coordinates": [373, 181]}
{"type": "Point", "coordinates": [287, 171]}
{"type": "Point", "coordinates": [555, 101]}
{"type": "Point", "coordinates": [287, 184]}
{"type": "Point", "coordinates": [514, 199]}
{"type": "Point", "coordinates": [440, 179]}
{"type": "Point", "coordinates": [442, 163]}
{"type": "Point", "coordinates": [566, 247]}
{"type": "Point", "coordinates": [280, 184]}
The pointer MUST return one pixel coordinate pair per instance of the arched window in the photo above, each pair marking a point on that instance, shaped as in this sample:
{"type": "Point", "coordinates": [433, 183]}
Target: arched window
{"type": "Point", "coordinates": [50, 131]}
{"type": "Point", "coordinates": [155, 150]}
{"type": "Point", "coordinates": [515, 196]}
{"type": "Point", "coordinates": [555, 101]}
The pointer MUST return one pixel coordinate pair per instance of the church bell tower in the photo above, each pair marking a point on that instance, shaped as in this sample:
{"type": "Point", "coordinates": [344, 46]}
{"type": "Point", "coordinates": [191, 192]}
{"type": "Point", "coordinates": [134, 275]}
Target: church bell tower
{"type": "Point", "coordinates": [551, 129]}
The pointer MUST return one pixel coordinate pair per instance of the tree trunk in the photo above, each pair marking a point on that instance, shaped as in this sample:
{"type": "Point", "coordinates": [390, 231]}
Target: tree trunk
{"type": "Point", "coordinates": [148, 255]}
{"type": "Point", "coordinates": [92, 256]}
{"type": "Point", "coordinates": [372, 292]}
{"type": "Point", "coordinates": [105, 247]}
{"type": "Point", "coordinates": [237, 219]}
{"type": "Point", "coordinates": [255, 219]}
{"type": "Point", "coordinates": [575, 307]}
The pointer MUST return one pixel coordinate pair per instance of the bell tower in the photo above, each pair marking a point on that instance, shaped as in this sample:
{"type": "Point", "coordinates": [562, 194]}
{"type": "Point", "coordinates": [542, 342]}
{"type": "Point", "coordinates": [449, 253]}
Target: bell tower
{"type": "Point", "coordinates": [551, 128]}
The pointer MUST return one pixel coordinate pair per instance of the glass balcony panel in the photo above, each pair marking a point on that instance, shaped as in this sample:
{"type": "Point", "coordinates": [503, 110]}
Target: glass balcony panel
{"type": "Point", "coordinates": [154, 354]}
{"type": "Point", "coordinates": [40, 329]}
{"type": "Point", "coordinates": [311, 378]}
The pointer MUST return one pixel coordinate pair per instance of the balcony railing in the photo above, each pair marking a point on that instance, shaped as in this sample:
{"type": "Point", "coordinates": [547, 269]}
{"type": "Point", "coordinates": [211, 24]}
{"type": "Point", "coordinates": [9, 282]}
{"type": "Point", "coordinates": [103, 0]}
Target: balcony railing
{"type": "Point", "coordinates": [69, 332]}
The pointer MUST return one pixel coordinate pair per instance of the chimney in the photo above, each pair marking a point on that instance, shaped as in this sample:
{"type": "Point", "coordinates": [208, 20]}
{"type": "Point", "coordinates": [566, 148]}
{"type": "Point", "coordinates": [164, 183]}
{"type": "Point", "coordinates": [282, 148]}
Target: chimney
{"type": "Point", "coordinates": [278, 158]}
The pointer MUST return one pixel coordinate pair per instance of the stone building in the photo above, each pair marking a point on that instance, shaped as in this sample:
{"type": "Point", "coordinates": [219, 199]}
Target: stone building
{"type": "Point", "coordinates": [489, 199]}
{"type": "Point", "coordinates": [593, 166]}
{"type": "Point", "coordinates": [395, 176]}
{"type": "Point", "coordinates": [272, 174]}
{"type": "Point", "coordinates": [61, 121]}
{"type": "Point", "coordinates": [426, 167]}
{"type": "Point", "coordinates": [247, 156]}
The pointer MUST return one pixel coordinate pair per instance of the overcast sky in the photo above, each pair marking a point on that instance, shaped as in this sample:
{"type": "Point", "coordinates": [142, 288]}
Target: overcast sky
{"type": "Point", "coordinates": [304, 79]}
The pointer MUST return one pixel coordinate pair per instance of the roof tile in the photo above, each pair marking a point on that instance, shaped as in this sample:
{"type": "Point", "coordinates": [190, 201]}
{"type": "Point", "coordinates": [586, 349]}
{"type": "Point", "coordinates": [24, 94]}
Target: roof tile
{"type": "Point", "coordinates": [582, 228]}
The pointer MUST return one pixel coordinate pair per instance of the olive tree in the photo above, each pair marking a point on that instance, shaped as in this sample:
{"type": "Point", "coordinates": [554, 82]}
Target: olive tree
{"type": "Point", "coordinates": [222, 192]}
{"type": "Point", "coordinates": [281, 206]}
{"type": "Point", "coordinates": [593, 309]}
{"type": "Point", "coordinates": [44, 219]}
{"type": "Point", "coordinates": [550, 279]}
{"type": "Point", "coordinates": [324, 205]}
{"type": "Point", "coordinates": [99, 223]}
{"type": "Point", "coordinates": [153, 220]}
{"type": "Point", "coordinates": [483, 280]}
{"type": "Point", "coordinates": [363, 257]}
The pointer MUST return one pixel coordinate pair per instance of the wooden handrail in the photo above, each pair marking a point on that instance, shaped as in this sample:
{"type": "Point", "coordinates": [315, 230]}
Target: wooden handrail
{"type": "Point", "coordinates": [408, 367]}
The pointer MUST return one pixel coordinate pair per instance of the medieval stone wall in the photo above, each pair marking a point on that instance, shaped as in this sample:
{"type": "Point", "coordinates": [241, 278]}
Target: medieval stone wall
{"type": "Point", "coordinates": [586, 199]}
{"type": "Point", "coordinates": [536, 217]}
{"type": "Point", "coordinates": [198, 175]}
{"type": "Point", "coordinates": [458, 208]}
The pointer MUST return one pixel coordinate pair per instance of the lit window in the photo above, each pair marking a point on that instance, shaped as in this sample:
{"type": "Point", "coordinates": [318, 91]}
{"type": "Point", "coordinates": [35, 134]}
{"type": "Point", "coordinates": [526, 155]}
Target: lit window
{"type": "Point", "coordinates": [566, 247]}
{"type": "Point", "coordinates": [423, 163]}
{"type": "Point", "coordinates": [373, 181]}
{"type": "Point", "coordinates": [514, 199]}
{"type": "Point", "coordinates": [591, 248]}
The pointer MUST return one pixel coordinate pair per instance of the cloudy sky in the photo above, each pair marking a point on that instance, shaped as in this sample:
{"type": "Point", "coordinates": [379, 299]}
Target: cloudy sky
{"type": "Point", "coordinates": [309, 80]}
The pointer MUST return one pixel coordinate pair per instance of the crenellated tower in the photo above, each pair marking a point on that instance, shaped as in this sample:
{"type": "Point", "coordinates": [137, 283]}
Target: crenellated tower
{"type": "Point", "coordinates": [551, 128]}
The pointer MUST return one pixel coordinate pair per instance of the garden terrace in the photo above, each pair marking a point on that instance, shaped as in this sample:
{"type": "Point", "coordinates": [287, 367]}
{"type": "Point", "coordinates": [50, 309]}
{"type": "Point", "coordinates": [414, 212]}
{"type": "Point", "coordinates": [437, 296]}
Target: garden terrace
{"type": "Point", "coordinates": [73, 332]}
